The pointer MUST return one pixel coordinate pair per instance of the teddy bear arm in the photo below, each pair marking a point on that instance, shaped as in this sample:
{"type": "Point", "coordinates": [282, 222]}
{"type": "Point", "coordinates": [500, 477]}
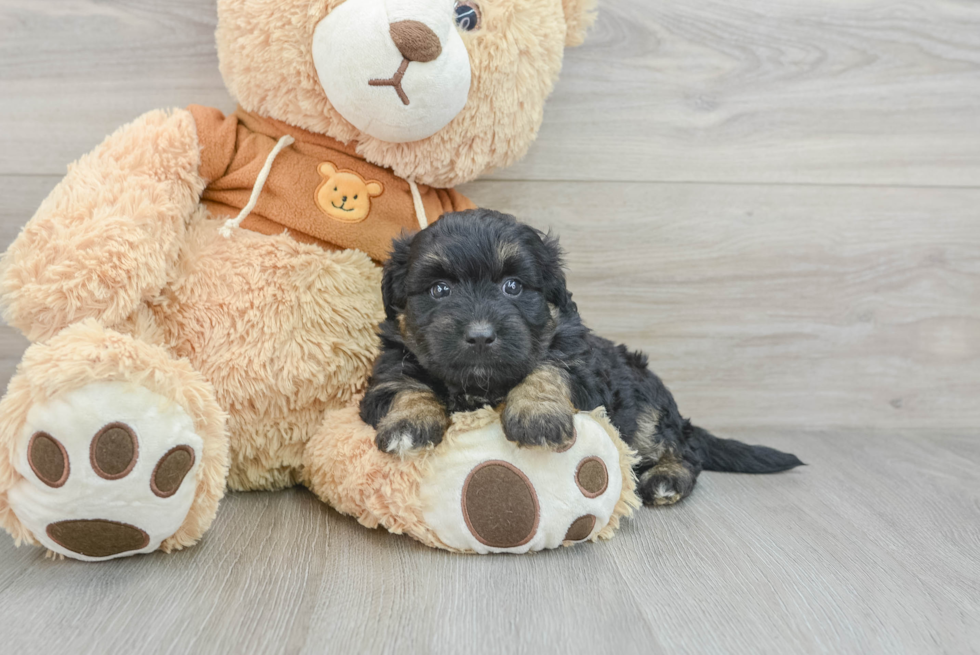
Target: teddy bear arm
{"type": "Point", "coordinates": [108, 236]}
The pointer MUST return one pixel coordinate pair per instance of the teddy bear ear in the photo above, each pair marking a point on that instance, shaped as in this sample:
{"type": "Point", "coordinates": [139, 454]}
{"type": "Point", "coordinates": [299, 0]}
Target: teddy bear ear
{"type": "Point", "coordinates": [374, 188]}
{"type": "Point", "coordinates": [327, 169]}
{"type": "Point", "coordinates": [579, 16]}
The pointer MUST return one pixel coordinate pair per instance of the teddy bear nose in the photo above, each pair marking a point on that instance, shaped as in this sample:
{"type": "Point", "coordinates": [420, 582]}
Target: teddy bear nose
{"type": "Point", "coordinates": [415, 40]}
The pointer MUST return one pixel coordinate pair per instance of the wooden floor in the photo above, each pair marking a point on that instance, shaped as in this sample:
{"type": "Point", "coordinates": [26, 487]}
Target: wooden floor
{"type": "Point", "coordinates": [779, 200]}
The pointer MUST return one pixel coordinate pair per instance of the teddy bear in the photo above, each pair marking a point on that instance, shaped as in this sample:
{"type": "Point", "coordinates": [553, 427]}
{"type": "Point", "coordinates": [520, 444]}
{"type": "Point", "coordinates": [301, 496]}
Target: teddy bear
{"type": "Point", "coordinates": [202, 291]}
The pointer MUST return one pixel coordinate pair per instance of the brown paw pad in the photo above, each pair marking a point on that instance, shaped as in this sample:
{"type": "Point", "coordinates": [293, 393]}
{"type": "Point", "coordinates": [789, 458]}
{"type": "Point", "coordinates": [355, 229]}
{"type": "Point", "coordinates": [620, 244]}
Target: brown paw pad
{"type": "Point", "coordinates": [171, 470]}
{"type": "Point", "coordinates": [114, 451]}
{"type": "Point", "coordinates": [48, 459]}
{"type": "Point", "coordinates": [591, 477]}
{"type": "Point", "coordinates": [580, 528]}
{"type": "Point", "coordinates": [97, 537]}
{"type": "Point", "coordinates": [500, 506]}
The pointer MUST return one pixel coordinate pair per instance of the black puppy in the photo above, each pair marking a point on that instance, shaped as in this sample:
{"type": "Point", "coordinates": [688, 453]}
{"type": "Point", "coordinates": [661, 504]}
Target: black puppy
{"type": "Point", "coordinates": [478, 314]}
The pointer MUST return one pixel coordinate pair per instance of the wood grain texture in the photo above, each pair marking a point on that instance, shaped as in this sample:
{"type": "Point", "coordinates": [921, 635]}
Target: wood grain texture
{"type": "Point", "coordinates": [823, 91]}
{"type": "Point", "coordinates": [779, 305]}
{"type": "Point", "coordinates": [815, 91]}
{"type": "Point", "coordinates": [819, 560]}
{"type": "Point", "coordinates": [778, 200]}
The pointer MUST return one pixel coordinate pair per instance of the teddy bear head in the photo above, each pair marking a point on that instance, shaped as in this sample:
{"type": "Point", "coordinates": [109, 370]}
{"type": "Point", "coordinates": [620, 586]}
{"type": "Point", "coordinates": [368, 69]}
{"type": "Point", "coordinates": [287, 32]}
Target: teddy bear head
{"type": "Point", "coordinates": [440, 91]}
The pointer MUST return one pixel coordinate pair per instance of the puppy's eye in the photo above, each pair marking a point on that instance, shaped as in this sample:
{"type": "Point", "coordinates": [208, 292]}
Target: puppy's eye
{"type": "Point", "coordinates": [439, 290]}
{"type": "Point", "coordinates": [513, 287]}
{"type": "Point", "coordinates": [467, 15]}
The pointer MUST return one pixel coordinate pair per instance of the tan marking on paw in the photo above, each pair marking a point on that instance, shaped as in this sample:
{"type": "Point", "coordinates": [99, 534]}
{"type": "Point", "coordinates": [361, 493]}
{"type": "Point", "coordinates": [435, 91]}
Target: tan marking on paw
{"type": "Point", "coordinates": [664, 496]}
{"type": "Point", "coordinates": [647, 446]}
{"type": "Point", "coordinates": [677, 477]}
{"type": "Point", "coordinates": [544, 393]}
{"type": "Point", "coordinates": [416, 406]}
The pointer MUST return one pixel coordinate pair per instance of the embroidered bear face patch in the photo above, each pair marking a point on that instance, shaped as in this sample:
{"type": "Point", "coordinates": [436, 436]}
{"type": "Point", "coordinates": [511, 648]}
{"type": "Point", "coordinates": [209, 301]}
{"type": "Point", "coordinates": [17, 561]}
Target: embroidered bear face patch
{"type": "Point", "coordinates": [344, 195]}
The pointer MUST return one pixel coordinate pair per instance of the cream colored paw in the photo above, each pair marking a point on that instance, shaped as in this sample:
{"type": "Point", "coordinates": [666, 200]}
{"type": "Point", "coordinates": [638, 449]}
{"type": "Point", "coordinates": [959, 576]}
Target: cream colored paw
{"type": "Point", "coordinates": [486, 494]}
{"type": "Point", "coordinates": [109, 470]}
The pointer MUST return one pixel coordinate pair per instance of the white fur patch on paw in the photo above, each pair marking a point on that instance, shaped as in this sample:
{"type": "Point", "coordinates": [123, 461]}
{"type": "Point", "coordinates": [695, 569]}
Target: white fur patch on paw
{"type": "Point", "coordinates": [665, 492]}
{"type": "Point", "coordinates": [401, 445]}
{"type": "Point", "coordinates": [109, 470]}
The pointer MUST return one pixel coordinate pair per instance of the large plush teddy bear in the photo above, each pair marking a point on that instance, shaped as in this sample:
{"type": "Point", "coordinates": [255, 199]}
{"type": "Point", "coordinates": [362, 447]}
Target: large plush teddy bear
{"type": "Point", "coordinates": [202, 291]}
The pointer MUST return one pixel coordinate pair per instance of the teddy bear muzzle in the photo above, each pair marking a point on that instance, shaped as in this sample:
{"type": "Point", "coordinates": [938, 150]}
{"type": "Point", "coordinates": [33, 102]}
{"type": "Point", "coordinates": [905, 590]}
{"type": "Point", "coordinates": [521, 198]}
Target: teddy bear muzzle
{"type": "Point", "coordinates": [397, 71]}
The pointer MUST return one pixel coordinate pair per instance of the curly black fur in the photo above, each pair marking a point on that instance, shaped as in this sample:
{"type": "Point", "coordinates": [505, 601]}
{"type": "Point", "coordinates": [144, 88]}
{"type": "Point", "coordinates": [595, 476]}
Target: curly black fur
{"type": "Point", "coordinates": [482, 344]}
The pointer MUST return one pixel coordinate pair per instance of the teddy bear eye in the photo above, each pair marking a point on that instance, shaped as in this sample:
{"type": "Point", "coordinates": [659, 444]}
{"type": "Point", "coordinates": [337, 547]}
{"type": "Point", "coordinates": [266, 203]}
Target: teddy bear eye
{"type": "Point", "coordinates": [467, 15]}
{"type": "Point", "coordinates": [513, 287]}
{"type": "Point", "coordinates": [335, 188]}
{"type": "Point", "coordinates": [439, 290]}
{"type": "Point", "coordinates": [355, 197]}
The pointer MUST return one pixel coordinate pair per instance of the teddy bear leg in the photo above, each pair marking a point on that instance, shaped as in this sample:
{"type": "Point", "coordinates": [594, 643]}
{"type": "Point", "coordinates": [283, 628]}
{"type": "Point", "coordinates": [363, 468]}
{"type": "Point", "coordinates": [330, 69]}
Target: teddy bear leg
{"type": "Point", "coordinates": [109, 446]}
{"type": "Point", "coordinates": [477, 491]}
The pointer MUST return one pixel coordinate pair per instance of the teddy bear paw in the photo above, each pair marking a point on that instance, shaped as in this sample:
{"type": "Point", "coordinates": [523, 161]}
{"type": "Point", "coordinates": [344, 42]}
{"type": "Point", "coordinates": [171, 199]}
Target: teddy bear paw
{"type": "Point", "coordinates": [108, 470]}
{"type": "Point", "coordinates": [487, 494]}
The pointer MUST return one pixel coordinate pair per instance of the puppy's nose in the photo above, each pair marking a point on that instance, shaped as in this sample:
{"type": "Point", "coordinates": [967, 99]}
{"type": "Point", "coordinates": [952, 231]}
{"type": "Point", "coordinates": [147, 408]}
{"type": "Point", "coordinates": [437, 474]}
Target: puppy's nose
{"type": "Point", "coordinates": [415, 40]}
{"type": "Point", "coordinates": [480, 335]}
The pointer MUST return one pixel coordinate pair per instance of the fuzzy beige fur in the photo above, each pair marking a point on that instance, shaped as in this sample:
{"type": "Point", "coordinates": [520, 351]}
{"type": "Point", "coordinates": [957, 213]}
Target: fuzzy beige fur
{"type": "Point", "coordinates": [121, 274]}
{"type": "Point", "coordinates": [346, 470]}
{"type": "Point", "coordinates": [87, 352]}
{"type": "Point", "coordinates": [515, 61]}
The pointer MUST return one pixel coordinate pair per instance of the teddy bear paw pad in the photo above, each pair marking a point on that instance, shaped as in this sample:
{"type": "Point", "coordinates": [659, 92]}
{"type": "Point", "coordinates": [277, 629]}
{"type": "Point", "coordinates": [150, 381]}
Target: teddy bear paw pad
{"type": "Point", "coordinates": [107, 471]}
{"type": "Point", "coordinates": [500, 506]}
{"type": "Point", "coordinates": [486, 494]}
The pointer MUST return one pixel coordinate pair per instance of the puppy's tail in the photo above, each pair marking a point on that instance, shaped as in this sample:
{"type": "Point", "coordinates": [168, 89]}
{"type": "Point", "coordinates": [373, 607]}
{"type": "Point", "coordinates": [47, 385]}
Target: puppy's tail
{"type": "Point", "coordinates": [733, 456]}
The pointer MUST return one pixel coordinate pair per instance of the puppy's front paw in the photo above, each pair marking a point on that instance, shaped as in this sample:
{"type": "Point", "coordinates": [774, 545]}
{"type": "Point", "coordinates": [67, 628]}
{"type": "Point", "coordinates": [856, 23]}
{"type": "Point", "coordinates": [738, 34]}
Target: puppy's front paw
{"type": "Point", "coordinates": [401, 437]}
{"type": "Point", "coordinates": [554, 429]}
{"type": "Point", "coordinates": [538, 410]}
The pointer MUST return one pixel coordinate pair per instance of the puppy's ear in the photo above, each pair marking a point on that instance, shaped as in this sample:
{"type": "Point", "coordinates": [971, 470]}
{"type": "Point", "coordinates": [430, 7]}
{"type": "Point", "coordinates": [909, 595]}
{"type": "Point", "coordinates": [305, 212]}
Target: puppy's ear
{"type": "Point", "coordinates": [555, 291]}
{"type": "Point", "coordinates": [393, 291]}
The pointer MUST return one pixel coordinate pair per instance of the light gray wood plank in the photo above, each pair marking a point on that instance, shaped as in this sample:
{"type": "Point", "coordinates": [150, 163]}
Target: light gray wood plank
{"type": "Point", "coordinates": [779, 305]}
{"type": "Point", "coordinates": [821, 91]}
{"type": "Point", "coordinates": [872, 548]}
{"type": "Point", "coordinates": [869, 92]}
{"type": "Point", "coordinates": [72, 71]}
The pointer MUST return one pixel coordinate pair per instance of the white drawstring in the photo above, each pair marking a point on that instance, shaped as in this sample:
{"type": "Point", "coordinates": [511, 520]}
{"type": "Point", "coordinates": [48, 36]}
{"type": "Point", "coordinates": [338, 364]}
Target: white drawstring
{"type": "Point", "coordinates": [419, 207]}
{"type": "Point", "coordinates": [233, 223]}
{"type": "Point", "coordinates": [285, 142]}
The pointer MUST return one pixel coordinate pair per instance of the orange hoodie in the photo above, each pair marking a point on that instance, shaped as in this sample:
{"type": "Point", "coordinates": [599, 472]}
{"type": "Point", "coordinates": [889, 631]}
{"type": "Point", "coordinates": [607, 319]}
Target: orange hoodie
{"type": "Point", "coordinates": [318, 189]}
